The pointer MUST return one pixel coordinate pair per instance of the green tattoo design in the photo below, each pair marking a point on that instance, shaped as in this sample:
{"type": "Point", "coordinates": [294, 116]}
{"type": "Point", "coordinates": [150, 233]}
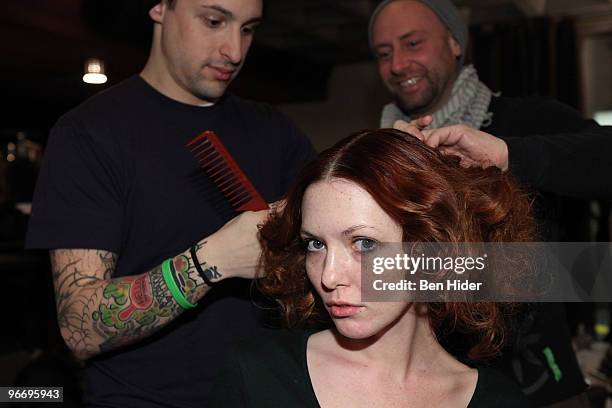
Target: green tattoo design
{"type": "Point", "coordinates": [182, 276]}
{"type": "Point", "coordinates": [98, 313]}
{"type": "Point", "coordinates": [131, 299]}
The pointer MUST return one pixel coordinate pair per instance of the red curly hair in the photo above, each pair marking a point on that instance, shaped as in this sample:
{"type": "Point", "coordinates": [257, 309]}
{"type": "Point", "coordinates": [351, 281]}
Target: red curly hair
{"type": "Point", "coordinates": [431, 197]}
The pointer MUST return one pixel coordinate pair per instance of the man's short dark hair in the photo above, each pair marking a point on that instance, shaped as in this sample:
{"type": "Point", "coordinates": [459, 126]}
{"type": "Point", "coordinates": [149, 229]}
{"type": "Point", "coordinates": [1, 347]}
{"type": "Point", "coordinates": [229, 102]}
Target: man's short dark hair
{"type": "Point", "coordinates": [172, 3]}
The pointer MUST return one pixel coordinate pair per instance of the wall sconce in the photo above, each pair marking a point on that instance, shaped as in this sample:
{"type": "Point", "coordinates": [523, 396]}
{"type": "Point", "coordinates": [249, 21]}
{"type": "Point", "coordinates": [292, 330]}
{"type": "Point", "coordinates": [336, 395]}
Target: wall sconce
{"type": "Point", "coordinates": [94, 72]}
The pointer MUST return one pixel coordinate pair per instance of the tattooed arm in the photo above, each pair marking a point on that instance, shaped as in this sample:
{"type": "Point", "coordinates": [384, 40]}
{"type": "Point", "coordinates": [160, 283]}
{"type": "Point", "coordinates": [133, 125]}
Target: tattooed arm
{"type": "Point", "coordinates": [97, 313]}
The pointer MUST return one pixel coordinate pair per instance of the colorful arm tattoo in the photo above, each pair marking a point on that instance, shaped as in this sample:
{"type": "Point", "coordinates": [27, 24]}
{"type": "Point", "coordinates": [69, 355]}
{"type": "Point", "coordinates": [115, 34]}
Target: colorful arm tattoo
{"type": "Point", "coordinates": [97, 313]}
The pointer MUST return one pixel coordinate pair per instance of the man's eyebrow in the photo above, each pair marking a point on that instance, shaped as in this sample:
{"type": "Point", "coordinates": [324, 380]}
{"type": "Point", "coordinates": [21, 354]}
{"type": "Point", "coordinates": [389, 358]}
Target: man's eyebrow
{"type": "Point", "coordinates": [409, 34]}
{"type": "Point", "coordinates": [227, 13]}
{"type": "Point", "coordinates": [401, 37]}
{"type": "Point", "coordinates": [254, 20]}
{"type": "Point", "coordinates": [220, 9]}
{"type": "Point", "coordinates": [381, 46]}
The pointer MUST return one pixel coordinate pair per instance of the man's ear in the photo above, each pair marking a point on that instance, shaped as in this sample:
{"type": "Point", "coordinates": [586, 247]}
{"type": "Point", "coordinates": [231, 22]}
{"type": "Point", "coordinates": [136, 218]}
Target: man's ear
{"type": "Point", "coordinates": [157, 12]}
{"type": "Point", "coordinates": [454, 46]}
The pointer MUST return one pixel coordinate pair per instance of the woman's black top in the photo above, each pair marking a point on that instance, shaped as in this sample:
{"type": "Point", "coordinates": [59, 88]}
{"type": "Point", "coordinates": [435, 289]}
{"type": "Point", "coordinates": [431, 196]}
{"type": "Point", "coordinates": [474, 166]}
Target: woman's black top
{"type": "Point", "coordinates": [271, 371]}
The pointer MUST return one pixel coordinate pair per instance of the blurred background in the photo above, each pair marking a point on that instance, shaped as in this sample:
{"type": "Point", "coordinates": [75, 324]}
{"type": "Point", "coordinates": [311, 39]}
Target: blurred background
{"type": "Point", "coordinates": [310, 59]}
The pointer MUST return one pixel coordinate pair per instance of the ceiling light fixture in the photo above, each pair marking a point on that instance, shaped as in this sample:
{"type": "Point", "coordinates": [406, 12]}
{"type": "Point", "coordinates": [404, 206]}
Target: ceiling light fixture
{"type": "Point", "coordinates": [94, 71]}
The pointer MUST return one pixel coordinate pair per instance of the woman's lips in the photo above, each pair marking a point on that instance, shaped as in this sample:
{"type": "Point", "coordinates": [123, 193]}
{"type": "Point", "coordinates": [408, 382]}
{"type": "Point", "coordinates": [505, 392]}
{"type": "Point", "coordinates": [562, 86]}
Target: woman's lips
{"type": "Point", "coordinates": [344, 310]}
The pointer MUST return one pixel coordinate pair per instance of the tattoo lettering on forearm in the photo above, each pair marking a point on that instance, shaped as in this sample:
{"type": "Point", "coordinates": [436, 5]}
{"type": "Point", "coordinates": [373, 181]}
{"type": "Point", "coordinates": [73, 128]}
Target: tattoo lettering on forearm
{"type": "Point", "coordinates": [210, 271]}
{"type": "Point", "coordinates": [160, 289]}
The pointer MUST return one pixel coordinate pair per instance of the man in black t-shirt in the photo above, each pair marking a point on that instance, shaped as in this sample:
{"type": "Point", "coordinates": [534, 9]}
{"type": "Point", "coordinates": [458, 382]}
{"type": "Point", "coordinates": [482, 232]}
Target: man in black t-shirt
{"type": "Point", "coordinates": [138, 234]}
{"type": "Point", "coordinates": [419, 47]}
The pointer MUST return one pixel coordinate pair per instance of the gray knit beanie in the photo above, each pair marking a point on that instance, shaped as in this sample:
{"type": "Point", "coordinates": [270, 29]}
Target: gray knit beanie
{"type": "Point", "coordinates": [446, 12]}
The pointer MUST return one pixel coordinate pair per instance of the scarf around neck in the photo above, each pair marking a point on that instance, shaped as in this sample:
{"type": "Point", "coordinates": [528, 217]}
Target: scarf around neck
{"type": "Point", "coordinates": [468, 105]}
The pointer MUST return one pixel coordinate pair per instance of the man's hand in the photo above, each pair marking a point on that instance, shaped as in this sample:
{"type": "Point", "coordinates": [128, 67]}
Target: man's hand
{"type": "Point", "coordinates": [414, 127]}
{"type": "Point", "coordinates": [474, 147]}
{"type": "Point", "coordinates": [234, 250]}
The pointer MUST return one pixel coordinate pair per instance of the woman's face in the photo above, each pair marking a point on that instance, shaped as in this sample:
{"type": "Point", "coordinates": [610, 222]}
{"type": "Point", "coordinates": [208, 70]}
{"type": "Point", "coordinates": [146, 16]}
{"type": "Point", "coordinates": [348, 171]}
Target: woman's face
{"type": "Point", "coordinates": [341, 221]}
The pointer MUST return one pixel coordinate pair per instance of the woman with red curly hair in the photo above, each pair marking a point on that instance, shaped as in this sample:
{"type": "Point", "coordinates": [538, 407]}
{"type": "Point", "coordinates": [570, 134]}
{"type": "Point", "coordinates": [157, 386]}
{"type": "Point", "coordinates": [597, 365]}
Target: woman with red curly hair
{"type": "Point", "coordinates": [371, 188]}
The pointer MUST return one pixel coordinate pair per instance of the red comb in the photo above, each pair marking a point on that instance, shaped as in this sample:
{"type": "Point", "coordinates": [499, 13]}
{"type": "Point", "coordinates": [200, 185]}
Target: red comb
{"type": "Point", "coordinates": [225, 173]}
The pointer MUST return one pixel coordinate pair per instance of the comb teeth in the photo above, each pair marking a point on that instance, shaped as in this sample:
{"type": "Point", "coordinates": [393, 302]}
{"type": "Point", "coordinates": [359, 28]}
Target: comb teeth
{"type": "Point", "coordinates": [224, 172]}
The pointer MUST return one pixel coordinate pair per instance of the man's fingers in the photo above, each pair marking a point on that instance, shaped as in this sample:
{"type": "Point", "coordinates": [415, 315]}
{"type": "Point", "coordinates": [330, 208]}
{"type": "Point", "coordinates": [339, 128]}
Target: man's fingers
{"type": "Point", "coordinates": [277, 206]}
{"type": "Point", "coordinates": [447, 151]}
{"type": "Point", "coordinates": [433, 137]}
{"type": "Point", "coordinates": [445, 136]}
{"type": "Point", "coordinates": [422, 122]}
{"type": "Point", "coordinates": [408, 128]}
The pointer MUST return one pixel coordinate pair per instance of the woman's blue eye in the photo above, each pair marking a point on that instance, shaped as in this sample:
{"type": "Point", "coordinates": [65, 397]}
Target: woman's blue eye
{"type": "Point", "coordinates": [314, 245]}
{"type": "Point", "coordinates": [365, 244]}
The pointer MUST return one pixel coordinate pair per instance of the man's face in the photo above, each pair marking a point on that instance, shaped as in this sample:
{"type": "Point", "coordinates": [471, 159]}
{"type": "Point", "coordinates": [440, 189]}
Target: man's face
{"type": "Point", "coordinates": [416, 55]}
{"type": "Point", "coordinates": [204, 43]}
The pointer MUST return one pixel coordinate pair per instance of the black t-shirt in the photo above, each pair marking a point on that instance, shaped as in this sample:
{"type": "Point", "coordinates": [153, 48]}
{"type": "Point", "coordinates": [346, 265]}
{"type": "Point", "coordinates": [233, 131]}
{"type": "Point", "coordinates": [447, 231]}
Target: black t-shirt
{"type": "Point", "coordinates": [117, 176]}
{"type": "Point", "coordinates": [272, 371]}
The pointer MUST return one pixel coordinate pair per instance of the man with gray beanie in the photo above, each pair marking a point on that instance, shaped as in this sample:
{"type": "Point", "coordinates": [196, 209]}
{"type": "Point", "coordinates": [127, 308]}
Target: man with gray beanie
{"type": "Point", "coordinates": [420, 48]}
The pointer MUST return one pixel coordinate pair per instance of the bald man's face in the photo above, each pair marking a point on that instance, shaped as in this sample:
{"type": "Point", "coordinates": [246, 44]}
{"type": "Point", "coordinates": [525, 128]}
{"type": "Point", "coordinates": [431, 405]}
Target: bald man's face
{"type": "Point", "coordinates": [416, 55]}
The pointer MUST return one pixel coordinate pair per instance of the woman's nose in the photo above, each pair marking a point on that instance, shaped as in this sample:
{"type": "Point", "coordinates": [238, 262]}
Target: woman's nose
{"type": "Point", "coordinates": [337, 269]}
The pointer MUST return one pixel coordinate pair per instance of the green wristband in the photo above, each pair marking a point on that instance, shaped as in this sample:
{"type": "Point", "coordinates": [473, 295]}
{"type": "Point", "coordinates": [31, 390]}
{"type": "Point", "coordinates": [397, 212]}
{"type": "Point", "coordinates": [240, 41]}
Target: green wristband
{"type": "Point", "coordinates": [173, 287]}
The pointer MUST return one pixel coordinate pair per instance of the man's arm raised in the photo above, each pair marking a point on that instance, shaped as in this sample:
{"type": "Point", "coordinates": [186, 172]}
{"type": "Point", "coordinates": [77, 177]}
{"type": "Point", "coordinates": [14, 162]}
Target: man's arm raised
{"type": "Point", "coordinates": [474, 147]}
{"type": "Point", "coordinates": [97, 312]}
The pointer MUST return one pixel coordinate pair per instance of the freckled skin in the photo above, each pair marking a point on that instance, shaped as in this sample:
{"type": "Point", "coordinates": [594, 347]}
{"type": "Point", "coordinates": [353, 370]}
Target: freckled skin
{"type": "Point", "coordinates": [329, 208]}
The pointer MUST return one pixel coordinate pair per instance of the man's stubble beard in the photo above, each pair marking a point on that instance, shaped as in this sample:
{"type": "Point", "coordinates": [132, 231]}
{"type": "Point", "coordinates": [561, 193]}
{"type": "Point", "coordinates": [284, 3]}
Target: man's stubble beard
{"type": "Point", "coordinates": [432, 99]}
{"type": "Point", "coordinates": [207, 89]}
{"type": "Point", "coordinates": [424, 103]}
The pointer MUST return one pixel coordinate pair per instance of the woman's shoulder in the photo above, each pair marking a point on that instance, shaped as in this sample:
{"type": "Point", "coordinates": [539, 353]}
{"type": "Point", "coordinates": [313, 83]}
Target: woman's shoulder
{"type": "Point", "coordinates": [495, 389]}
